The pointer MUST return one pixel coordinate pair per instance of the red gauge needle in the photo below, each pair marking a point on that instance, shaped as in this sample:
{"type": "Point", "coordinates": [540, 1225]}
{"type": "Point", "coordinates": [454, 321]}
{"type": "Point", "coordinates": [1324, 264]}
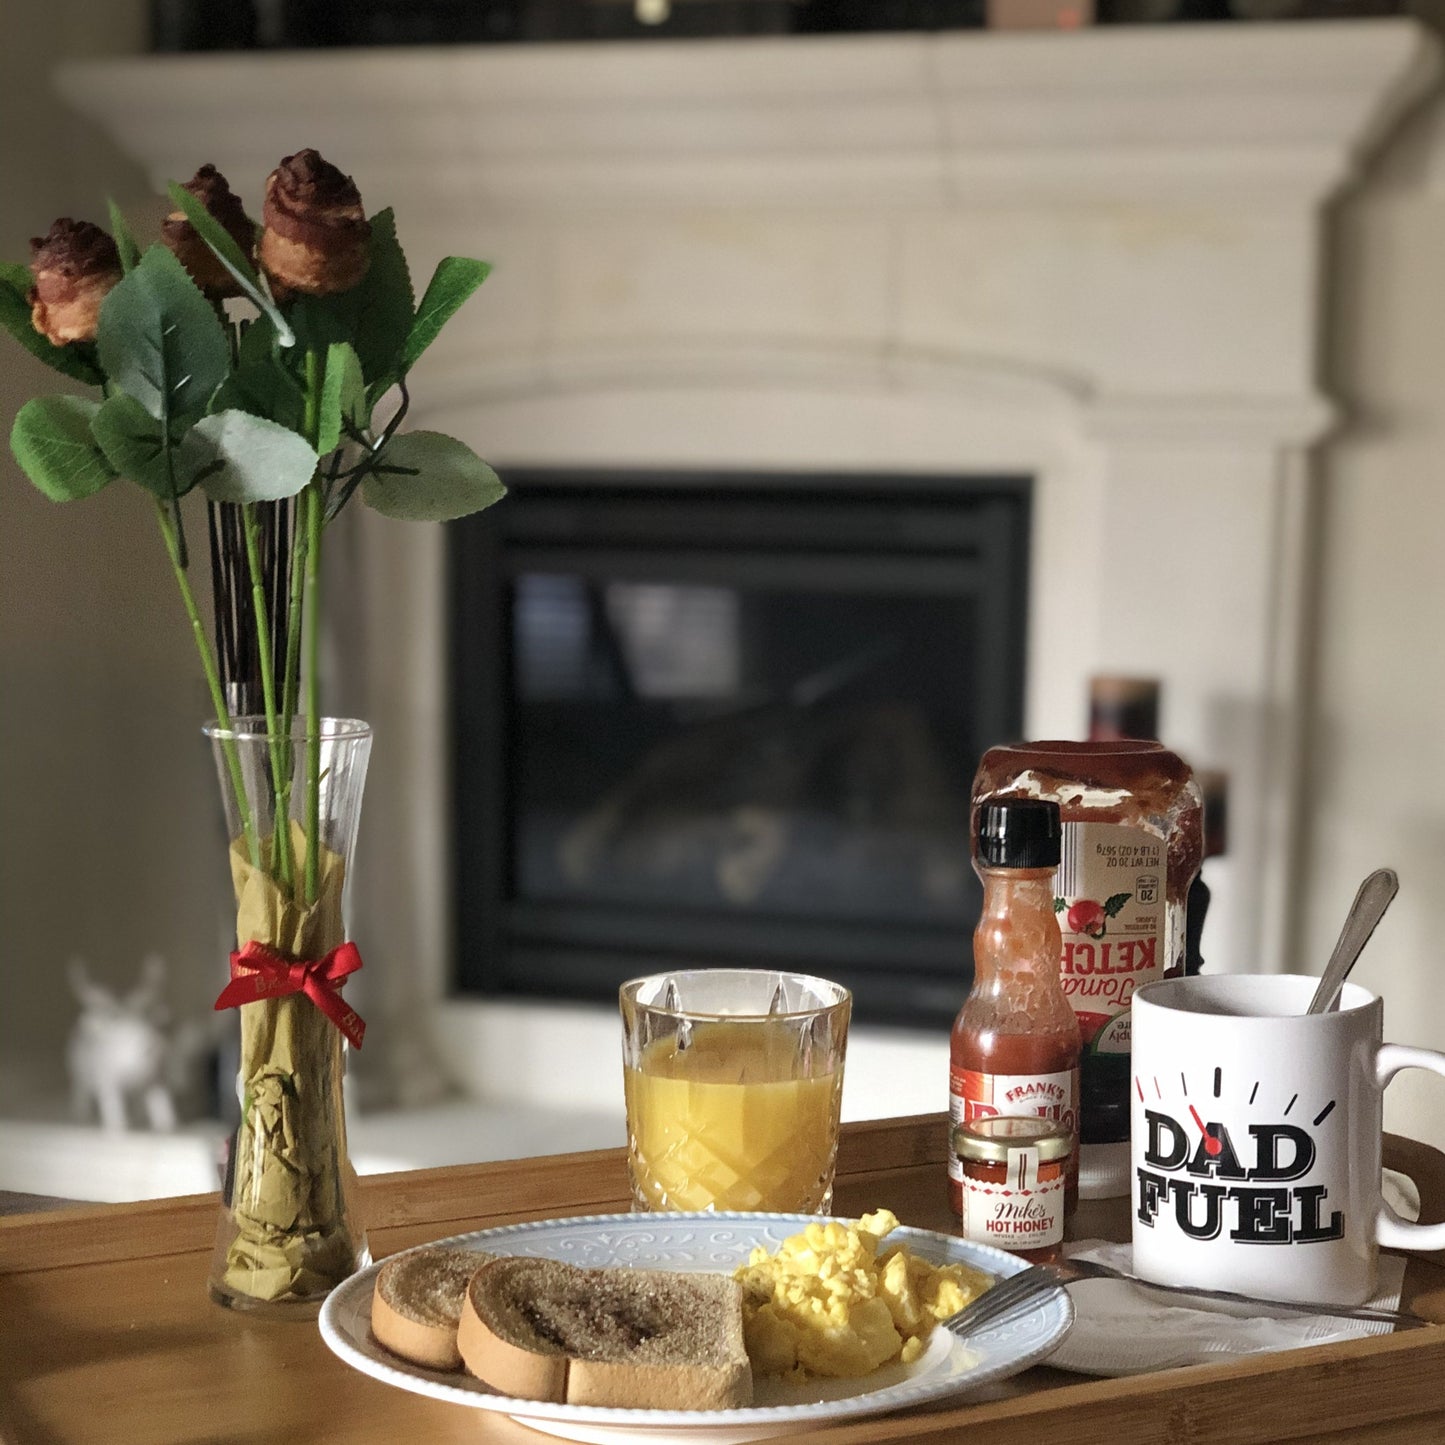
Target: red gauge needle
{"type": "Point", "coordinates": [1212, 1146]}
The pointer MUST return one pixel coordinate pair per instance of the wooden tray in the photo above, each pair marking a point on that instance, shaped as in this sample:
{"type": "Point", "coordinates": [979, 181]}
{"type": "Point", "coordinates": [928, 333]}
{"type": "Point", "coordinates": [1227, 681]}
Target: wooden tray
{"type": "Point", "coordinates": [106, 1332]}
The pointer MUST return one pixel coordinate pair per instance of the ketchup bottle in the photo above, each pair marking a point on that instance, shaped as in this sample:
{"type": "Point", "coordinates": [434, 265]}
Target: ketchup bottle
{"type": "Point", "coordinates": [1015, 1044]}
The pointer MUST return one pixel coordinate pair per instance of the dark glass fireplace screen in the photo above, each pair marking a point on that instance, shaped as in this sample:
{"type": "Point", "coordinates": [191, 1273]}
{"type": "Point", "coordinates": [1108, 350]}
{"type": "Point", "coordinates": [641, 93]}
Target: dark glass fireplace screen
{"type": "Point", "coordinates": [730, 720]}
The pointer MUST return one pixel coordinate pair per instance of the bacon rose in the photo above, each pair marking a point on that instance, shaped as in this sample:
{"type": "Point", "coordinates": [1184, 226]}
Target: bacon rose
{"type": "Point", "coordinates": [316, 236]}
{"type": "Point", "coordinates": [74, 267]}
{"type": "Point", "coordinates": [212, 190]}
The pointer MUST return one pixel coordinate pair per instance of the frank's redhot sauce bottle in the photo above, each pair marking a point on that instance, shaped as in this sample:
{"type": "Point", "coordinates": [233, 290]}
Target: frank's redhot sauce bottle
{"type": "Point", "coordinates": [1015, 1043]}
{"type": "Point", "coordinates": [1132, 840]}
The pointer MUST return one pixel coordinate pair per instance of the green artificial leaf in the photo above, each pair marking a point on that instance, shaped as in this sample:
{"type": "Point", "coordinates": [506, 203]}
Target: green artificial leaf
{"type": "Point", "coordinates": [52, 442]}
{"type": "Point", "coordinates": [131, 439]}
{"type": "Point", "coordinates": [160, 341]}
{"type": "Point", "coordinates": [453, 281]}
{"type": "Point", "coordinates": [260, 346]}
{"type": "Point", "coordinates": [261, 382]}
{"type": "Point", "coordinates": [375, 316]}
{"type": "Point", "coordinates": [76, 361]}
{"type": "Point", "coordinates": [328, 408]}
{"type": "Point", "coordinates": [355, 404]}
{"type": "Point", "coordinates": [343, 410]}
{"type": "Point", "coordinates": [1060, 904]}
{"type": "Point", "coordinates": [124, 239]}
{"type": "Point", "coordinates": [133, 444]}
{"type": "Point", "coordinates": [233, 258]}
{"type": "Point", "coordinates": [427, 477]}
{"type": "Point", "coordinates": [320, 320]}
{"type": "Point", "coordinates": [259, 460]}
{"type": "Point", "coordinates": [384, 317]}
{"type": "Point", "coordinates": [1114, 903]}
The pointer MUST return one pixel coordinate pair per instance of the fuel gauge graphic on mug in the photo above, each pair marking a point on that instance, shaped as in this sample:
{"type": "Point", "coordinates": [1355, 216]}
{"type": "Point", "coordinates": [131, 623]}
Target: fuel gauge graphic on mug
{"type": "Point", "coordinates": [1256, 1136]}
{"type": "Point", "coordinates": [1267, 1206]}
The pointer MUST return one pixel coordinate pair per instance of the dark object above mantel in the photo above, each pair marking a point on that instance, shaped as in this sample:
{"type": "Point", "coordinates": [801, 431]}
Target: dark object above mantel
{"type": "Point", "coordinates": [243, 24]}
{"type": "Point", "coordinates": [192, 25]}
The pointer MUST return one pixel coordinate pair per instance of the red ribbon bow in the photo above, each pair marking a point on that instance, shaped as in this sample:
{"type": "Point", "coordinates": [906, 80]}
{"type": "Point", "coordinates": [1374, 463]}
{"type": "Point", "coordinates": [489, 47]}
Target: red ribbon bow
{"type": "Point", "coordinates": [257, 972]}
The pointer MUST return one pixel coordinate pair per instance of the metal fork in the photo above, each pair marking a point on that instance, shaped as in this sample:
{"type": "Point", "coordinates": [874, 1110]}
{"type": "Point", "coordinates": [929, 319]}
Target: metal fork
{"type": "Point", "coordinates": [1020, 1291]}
{"type": "Point", "coordinates": [1009, 1297]}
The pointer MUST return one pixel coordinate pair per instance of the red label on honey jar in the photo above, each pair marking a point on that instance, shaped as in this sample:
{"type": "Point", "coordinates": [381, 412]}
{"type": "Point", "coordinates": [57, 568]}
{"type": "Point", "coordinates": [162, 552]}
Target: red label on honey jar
{"type": "Point", "coordinates": [1016, 1204]}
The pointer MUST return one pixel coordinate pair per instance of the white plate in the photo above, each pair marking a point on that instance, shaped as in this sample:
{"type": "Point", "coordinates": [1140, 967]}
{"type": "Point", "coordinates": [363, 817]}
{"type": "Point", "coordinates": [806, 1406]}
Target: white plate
{"type": "Point", "coordinates": [719, 1243]}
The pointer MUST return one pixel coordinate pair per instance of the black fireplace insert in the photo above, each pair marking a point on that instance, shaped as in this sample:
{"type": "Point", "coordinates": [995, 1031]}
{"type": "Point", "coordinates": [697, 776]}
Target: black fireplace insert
{"type": "Point", "coordinates": [722, 719]}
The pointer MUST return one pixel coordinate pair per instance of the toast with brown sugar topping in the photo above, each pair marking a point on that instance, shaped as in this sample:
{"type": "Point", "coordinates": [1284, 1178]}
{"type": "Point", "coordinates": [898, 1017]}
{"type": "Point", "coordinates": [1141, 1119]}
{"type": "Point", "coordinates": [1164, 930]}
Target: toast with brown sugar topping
{"type": "Point", "coordinates": [538, 1329]}
{"type": "Point", "coordinates": [417, 1304]}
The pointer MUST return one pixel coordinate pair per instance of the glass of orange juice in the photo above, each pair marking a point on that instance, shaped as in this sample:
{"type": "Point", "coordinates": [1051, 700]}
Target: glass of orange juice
{"type": "Point", "coordinates": [734, 1080]}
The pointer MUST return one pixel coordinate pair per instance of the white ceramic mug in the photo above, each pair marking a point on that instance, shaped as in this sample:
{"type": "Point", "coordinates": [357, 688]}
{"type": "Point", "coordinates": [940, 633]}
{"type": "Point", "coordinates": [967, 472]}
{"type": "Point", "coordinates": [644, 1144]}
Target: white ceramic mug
{"type": "Point", "coordinates": [1256, 1136]}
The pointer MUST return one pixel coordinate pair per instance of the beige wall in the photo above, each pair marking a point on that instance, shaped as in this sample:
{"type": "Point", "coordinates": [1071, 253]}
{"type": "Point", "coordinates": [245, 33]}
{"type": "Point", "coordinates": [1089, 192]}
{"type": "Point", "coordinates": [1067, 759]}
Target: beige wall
{"type": "Point", "coordinates": [108, 828]}
{"type": "Point", "coordinates": [1377, 764]}
{"type": "Point", "coordinates": [105, 790]}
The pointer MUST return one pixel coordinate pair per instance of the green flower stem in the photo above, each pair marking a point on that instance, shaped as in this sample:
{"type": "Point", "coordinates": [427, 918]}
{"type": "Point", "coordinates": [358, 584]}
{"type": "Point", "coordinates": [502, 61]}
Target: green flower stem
{"type": "Point", "coordinates": [291, 674]}
{"type": "Point", "coordinates": [312, 622]}
{"type": "Point", "coordinates": [313, 689]}
{"type": "Point", "coordinates": [181, 558]}
{"type": "Point", "coordinates": [280, 744]}
{"type": "Point", "coordinates": [213, 679]}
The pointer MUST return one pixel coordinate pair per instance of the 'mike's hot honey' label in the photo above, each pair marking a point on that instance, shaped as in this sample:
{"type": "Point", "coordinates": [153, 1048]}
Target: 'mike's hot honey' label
{"type": "Point", "coordinates": [1019, 1211]}
{"type": "Point", "coordinates": [1109, 897]}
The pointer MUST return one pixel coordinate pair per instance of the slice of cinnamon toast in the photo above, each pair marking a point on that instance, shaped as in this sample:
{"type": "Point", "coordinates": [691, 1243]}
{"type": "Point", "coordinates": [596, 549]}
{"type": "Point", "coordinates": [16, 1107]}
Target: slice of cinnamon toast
{"type": "Point", "coordinates": [417, 1303]}
{"type": "Point", "coordinates": [539, 1329]}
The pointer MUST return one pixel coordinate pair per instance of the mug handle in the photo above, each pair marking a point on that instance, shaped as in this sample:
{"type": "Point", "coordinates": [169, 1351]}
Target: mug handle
{"type": "Point", "coordinates": [1392, 1231]}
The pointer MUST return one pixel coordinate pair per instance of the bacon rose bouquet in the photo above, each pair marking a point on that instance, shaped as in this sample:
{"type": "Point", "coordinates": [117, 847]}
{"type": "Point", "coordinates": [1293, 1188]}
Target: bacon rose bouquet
{"type": "Point", "coordinates": [265, 367]}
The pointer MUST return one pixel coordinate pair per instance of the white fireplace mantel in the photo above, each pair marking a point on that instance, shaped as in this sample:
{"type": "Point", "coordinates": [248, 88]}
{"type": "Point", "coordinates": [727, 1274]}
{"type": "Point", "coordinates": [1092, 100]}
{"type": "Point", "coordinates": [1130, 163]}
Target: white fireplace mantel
{"type": "Point", "coordinates": [1095, 258]}
{"type": "Point", "coordinates": [879, 121]}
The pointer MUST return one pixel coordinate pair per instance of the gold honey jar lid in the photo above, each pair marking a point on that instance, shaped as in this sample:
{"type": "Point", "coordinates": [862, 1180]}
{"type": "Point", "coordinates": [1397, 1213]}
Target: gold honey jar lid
{"type": "Point", "coordinates": [990, 1140]}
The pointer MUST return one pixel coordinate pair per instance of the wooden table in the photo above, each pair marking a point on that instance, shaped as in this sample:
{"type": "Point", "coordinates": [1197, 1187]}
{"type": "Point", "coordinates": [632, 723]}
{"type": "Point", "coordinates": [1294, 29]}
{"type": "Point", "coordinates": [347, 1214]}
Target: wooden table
{"type": "Point", "coordinates": [106, 1332]}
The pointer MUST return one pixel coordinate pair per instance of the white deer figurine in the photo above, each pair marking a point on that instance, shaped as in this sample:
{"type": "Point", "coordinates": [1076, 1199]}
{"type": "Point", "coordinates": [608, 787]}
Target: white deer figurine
{"type": "Point", "coordinates": [119, 1048]}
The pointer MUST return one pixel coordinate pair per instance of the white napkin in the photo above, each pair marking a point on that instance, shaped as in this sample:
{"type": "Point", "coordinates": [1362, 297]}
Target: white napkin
{"type": "Point", "coordinates": [1123, 1329]}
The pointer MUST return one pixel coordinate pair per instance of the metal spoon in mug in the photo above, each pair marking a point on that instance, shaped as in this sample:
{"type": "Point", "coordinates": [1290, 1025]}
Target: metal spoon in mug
{"type": "Point", "coordinates": [1374, 897]}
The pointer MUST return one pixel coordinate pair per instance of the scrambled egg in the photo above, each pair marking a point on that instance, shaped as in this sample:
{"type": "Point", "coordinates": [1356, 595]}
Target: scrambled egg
{"type": "Point", "coordinates": [827, 1304]}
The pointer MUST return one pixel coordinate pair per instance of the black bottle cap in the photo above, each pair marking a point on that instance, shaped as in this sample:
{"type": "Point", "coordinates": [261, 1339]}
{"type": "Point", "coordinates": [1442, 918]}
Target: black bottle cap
{"type": "Point", "coordinates": [1019, 833]}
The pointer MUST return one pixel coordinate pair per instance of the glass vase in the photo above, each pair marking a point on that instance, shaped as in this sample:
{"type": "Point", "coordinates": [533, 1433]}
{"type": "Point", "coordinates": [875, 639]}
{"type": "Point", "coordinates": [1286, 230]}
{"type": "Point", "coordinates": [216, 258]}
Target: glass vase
{"type": "Point", "coordinates": [289, 1230]}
